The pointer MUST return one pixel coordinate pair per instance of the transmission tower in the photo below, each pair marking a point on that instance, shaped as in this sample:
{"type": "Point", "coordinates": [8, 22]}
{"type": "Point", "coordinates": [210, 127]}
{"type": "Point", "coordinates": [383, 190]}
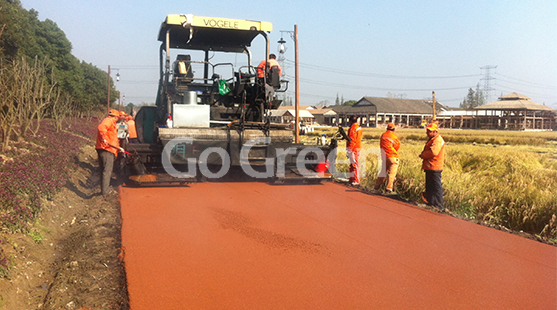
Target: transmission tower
{"type": "Point", "coordinates": [487, 82]}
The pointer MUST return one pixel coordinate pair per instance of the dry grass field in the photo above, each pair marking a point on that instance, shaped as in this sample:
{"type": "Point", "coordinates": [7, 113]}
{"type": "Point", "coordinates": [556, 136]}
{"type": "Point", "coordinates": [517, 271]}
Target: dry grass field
{"type": "Point", "coordinates": [505, 178]}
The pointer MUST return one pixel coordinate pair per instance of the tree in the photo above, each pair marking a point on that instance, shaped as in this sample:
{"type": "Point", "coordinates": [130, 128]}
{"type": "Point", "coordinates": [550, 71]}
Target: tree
{"type": "Point", "coordinates": [350, 102]}
{"type": "Point", "coordinates": [129, 108]}
{"type": "Point", "coordinates": [479, 99]}
{"type": "Point", "coordinates": [473, 99]}
{"type": "Point", "coordinates": [95, 89]}
{"type": "Point", "coordinates": [2, 28]}
{"type": "Point", "coordinates": [287, 102]}
{"type": "Point", "coordinates": [26, 36]}
{"type": "Point", "coordinates": [8, 107]}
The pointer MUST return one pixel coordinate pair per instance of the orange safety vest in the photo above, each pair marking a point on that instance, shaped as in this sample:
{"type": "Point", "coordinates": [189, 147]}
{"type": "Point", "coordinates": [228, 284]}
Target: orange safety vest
{"type": "Point", "coordinates": [262, 67]}
{"type": "Point", "coordinates": [107, 131]}
{"type": "Point", "coordinates": [132, 133]}
{"type": "Point", "coordinates": [390, 143]}
{"type": "Point", "coordinates": [355, 135]}
{"type": "Point", "coordinates": [433, 154]}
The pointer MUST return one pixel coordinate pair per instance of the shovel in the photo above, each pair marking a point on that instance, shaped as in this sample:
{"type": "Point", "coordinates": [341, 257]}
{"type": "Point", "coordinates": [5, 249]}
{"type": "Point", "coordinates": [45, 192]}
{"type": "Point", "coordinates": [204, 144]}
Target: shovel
{"type": "Point", "coordinates": [118, 148]}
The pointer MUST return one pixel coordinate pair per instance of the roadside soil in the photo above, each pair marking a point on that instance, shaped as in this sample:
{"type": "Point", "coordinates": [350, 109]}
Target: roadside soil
{"type": "Point", "coordinates": [72, 259]}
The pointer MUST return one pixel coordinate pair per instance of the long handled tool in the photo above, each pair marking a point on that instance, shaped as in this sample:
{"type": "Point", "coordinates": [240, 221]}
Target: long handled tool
{"type": "Point", "coordinates": [117, 147]}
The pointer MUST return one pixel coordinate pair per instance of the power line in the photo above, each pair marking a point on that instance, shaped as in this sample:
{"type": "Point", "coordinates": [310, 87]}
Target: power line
{"type": "Point", "coordinates": [541, 85]}
{"type": "Point", "coordinates": [355, 73]}
{"type": "Point", "coordinates": [134, 67]}
{"type": "Point", "coordinates": [529, 84]}
{"type": "Point", "coordinates": [374, 88]}
{"type": "Point", "coordinates": [514, 89]}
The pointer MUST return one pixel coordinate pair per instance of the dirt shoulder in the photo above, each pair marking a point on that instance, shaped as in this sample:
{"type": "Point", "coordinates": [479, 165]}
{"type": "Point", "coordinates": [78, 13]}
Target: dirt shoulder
{"type": "Point", "coordinates": [72, 258]}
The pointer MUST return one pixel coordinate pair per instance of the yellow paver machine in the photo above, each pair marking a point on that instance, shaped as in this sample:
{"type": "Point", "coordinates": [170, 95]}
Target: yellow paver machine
{"type": "Point", "coordinates": [212, 116]}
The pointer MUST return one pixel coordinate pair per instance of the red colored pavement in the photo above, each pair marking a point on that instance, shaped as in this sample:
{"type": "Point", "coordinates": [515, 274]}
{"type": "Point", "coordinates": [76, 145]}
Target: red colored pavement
{"type": "Point", "coordinates": [260, 246]}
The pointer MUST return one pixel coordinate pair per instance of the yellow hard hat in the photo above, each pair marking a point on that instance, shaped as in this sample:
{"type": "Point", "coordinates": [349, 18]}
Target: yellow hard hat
{"type": "Point", "coordinates": [432, 127]}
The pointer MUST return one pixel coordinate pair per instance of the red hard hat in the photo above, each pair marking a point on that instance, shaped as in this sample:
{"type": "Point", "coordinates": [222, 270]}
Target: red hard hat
{"type": "Point", "coordinates": [113, 113]}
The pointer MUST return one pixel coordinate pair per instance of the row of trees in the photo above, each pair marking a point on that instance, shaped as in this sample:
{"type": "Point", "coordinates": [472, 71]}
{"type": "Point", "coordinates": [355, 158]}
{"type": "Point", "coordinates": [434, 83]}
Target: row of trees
{"type": "Point", "coordinates": [39, 77]}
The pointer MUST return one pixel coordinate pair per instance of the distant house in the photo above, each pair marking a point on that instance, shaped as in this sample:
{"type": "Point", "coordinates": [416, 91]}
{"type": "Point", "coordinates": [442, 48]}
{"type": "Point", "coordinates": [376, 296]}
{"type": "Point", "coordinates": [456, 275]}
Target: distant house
{"type": "Point", "coordinates": [321, 115]}
{"type": "Point", "coordinates": [378, 112]}
{"type": "Point", "coordinates": [284, 116]}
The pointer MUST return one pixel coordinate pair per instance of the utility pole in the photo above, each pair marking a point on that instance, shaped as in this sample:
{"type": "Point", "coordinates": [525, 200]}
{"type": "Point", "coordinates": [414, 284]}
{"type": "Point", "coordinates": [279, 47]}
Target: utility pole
{"type": "Point", "coordinates": [282, 49]}
{"type": "Point", "coordinates": [297, 85]}
{"type": "Point", "coordinates": [434, 112]}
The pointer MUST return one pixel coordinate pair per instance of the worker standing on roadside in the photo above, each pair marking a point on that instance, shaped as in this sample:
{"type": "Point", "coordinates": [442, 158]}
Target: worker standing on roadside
{"type": "Point", "coordinates": [433, 157]}
{"type": "Point", "coordinates": [353, 147]}
{"type": "Point", "coordinates": [107, 148]}
{"type": "Point", "coordinates": [389, 157]}
{"type": "Point", "coordinates": [132, 132]}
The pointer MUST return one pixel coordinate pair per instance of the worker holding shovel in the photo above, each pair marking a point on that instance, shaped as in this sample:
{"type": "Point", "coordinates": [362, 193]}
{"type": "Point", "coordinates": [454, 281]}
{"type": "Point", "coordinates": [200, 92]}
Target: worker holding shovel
{"type": "Point", "coordinates": [107, 148]}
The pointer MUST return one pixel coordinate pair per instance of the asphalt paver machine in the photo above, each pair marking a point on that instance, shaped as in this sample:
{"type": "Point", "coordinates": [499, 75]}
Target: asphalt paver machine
{"type": "Point", "coordinates": [212, 116]}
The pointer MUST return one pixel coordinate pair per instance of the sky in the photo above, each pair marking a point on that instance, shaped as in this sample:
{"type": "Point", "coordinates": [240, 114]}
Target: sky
{"type": "Point", "coordinates": [347, 49]}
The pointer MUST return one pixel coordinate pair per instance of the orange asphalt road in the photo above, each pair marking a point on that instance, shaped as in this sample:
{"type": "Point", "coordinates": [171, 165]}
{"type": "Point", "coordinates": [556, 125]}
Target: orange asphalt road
{"type": "Point", "coordinates": [261, 246]}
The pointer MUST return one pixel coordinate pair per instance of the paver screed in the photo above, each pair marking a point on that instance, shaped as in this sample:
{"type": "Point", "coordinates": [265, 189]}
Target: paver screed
{"type": "Point", "coordinates": [326, 246]}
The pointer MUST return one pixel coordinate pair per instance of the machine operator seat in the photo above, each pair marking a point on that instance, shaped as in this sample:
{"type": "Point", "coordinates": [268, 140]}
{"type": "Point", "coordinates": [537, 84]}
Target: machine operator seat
{"type": "Point", "coordinates": [273, 77]}
{"type": "Point", "coordinates": [182, 69]}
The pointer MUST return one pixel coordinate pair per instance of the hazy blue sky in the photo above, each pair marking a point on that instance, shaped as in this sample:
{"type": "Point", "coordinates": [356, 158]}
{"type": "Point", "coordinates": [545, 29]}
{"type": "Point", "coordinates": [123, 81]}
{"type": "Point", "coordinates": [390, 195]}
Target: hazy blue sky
{"type": "Point", "coordinates": [350, 48]}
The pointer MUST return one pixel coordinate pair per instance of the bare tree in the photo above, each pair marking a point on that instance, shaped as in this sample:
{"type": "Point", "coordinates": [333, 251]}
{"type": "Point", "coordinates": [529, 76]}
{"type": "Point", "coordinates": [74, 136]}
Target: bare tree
{"type": "Point", "coordinates": [26, 94]}
{"type": "Point", "coordinates": [62, 107]}
{"type": "Point", "coordinates": [3, 27]}
{"type": "Point", "coordinates": [8, 116]}
{"type": "Point", "coordinates": [32, 94]}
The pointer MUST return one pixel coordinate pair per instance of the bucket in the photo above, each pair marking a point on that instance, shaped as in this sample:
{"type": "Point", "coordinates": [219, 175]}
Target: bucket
{"type": "Point", "coordinates": [190, 98]}
{"type": "Point", "coordinates": [322, 167]}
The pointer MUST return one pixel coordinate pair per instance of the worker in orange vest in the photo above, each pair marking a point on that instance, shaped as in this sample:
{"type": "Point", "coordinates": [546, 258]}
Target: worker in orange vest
{"type": "Point", "coordinates": [263, 67]}
{"type": "Point", "coordinates": [353, 147]}
{"type": "Point", "coordinates": [389, 156]}
{"type": "Point", "coordinates": [433, 157]}
{"type": "Point", "coordinates": [132, 132]}
{"type": "Point", "coordinates": [107, 148]}
{"type": "Point", "coordinates": [264, 70]}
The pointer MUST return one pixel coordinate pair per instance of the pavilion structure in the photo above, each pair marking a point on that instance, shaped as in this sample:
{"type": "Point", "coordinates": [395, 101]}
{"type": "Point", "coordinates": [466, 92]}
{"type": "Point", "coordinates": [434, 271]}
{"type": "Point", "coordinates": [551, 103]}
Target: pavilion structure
{"type": "Point", "coordinates": [512, 112]}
